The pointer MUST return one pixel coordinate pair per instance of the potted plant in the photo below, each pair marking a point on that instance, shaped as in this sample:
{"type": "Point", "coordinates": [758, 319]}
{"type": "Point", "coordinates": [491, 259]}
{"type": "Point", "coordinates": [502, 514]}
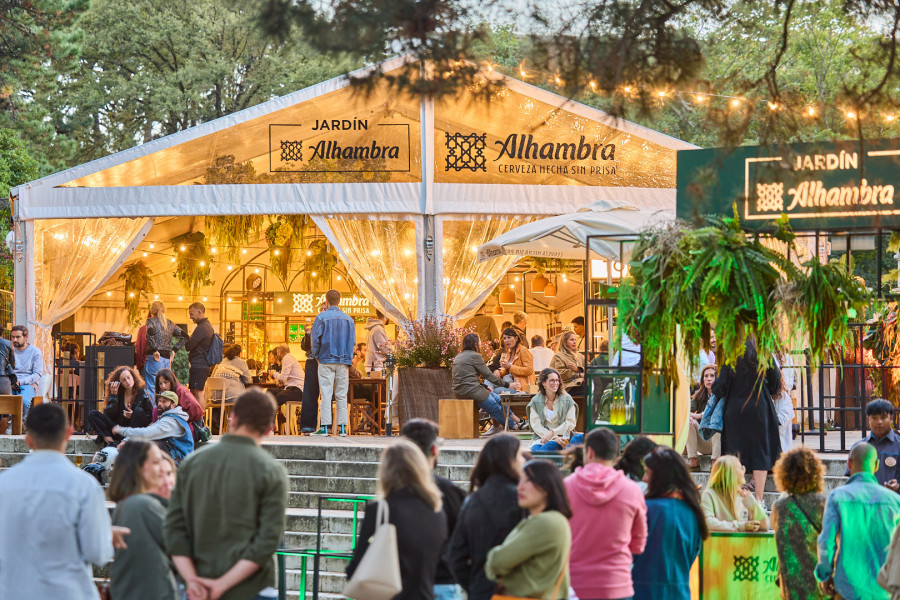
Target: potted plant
{"type": "Point", "coordinates": [424, 357]}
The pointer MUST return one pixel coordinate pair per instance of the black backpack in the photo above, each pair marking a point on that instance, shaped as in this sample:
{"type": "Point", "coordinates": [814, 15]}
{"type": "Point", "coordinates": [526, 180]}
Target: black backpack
{"type": "Point", "coordinates": [215, 352]}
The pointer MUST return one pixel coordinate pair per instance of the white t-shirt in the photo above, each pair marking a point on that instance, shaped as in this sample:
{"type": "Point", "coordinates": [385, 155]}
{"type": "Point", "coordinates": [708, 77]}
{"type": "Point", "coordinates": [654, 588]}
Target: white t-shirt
{"type": "Point", "coordinates": [542, 357]}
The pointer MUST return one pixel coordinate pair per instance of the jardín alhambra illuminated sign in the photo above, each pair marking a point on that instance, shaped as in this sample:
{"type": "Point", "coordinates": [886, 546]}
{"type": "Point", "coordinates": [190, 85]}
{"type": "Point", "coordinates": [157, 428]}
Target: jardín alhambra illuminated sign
{"type": "Point", "coordinates": [339, 145]}
{"type": "Point", "coordinates": [832, 184]}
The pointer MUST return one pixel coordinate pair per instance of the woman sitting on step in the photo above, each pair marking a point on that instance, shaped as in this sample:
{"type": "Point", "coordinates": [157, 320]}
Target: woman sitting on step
{"type": "Point", "coordinates": [726, 506]}
{"type": "Point", "coordinates": [552, 414]}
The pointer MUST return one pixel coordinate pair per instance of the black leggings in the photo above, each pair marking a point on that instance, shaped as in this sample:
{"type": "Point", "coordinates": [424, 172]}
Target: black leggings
{"type": "Point", "coordinates": [103, 425]}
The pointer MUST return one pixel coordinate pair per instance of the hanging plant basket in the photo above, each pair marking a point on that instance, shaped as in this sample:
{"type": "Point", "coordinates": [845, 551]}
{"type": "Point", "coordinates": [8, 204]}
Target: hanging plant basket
{"type": "Point", "coordinates": [138, 286]}
{"type": "Point", "coordinates": [687, 281]}
{"type": "Point", "coordinates": [284, 235]}
{"type": "Point", "coordinates": [229, 233]}
{"type": "Point", "coordinates": [317, 265]}
{"type": "Point", "coordinates": [193, 261]}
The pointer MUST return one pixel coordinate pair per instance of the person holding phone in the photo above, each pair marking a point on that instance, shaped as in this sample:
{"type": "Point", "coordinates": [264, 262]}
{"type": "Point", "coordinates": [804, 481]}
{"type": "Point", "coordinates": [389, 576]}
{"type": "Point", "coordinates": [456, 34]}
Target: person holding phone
{"type": "Point", "coordinates": [127, 405]}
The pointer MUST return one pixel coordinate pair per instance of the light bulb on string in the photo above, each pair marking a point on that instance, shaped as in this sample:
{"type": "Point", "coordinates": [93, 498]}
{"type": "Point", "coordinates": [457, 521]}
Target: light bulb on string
{"type": "Point", "coordinates": [205, 298]}
{"type": "Point", "coordinates": [202, 263]}
{"type": "Point", "coordinates": [182, 248]}
{"type": "Point", "coordinates": [181, 297]}
{"type": "Point", "coordinates": [213, 249]}
{"type": "Point", "coordinates": [229, 267]}
{"type": "Point", "coordinates": [109, 293]}
{"type": "Point", "coordinates": [174, 259]}
{"type": "Point", "coordinates": [244, 251]}
{"type": "Point", "coordinates": [277, 252]}
{"type": "Point", "coordinates": [145, 255]}
{"type": "Point", "coordinates": [152, 246]}
{"type": "Point", "coordinates": [156, 296]}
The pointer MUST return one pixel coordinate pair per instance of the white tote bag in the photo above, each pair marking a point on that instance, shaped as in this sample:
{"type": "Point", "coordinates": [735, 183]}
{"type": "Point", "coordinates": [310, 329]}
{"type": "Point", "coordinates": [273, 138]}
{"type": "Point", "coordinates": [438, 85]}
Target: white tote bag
{"type": "Point", "coordinates": [377, 577]}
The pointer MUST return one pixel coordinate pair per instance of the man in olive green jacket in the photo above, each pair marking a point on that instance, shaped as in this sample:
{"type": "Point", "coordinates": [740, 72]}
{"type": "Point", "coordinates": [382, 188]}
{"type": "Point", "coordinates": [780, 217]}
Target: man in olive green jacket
{"type": "Point", "coordinates": [226, 515]}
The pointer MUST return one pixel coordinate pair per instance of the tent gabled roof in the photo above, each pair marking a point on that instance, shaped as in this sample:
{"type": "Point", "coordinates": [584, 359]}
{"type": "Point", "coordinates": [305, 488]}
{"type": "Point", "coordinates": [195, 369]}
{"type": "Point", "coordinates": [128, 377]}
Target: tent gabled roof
{"type": "Point", "coordinates": [155, 178]}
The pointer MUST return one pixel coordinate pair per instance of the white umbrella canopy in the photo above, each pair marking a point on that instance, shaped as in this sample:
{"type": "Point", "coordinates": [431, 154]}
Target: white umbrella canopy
{"type": "Point", "coordinates": [565, 236]}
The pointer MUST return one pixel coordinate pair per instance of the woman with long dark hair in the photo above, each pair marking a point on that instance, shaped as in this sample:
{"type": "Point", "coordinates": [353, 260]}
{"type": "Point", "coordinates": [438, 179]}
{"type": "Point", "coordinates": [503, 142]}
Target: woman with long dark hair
{"type": "Point", "coordinates": [127, 405]}
{"type": "Point", "coordinates": [676, 528]}
{"type": "Point", "coordinates": [552, 414]}
{"type": "Point", "coordinates": [516, 361]}
{"type": "Point", "coordinates": [695, 443]}
{"type": "Point", "coordinates": [406, 484]}
{"type": "Point", "coordinates": [533, 560]}
{"type": "Point", "coordinates": [166, 381]}
{"type": "Point", "coordinates": [632, 460]}
{"type": "Point", "coordinates": [749, 423]}
{"type": "Point", "coordinates": [142, 571]}
{"type": "Point", "coordinates": [468, 369]}
{"type": "Point", "coordinates": [488, 514]}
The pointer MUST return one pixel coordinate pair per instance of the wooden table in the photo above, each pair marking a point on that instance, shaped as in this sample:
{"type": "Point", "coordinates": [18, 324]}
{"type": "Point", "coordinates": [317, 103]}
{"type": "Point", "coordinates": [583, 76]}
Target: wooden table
{"type": "Point", "coordinates": [361, 408]}
{"type": "Point", "coordinates": [507, 400]}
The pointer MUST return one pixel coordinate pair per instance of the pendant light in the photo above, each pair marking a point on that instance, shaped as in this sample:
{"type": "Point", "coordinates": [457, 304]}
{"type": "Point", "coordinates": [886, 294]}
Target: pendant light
{"type": "Point", "coordinates": [508, 295]}
{"type": "Point", "coordinates": [550, 290]}
{"type": "Point", "coordinates": [539, 283]}
{"type": "Point", "coordinates": [498, 310]}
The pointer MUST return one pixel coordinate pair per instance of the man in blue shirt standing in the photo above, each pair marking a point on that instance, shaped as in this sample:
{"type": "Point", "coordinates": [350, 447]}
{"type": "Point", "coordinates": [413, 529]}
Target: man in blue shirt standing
{"type": "Point", "coordinates": [55, 520]}
{"type": "Point", "coordinates": [332, 344]}
{"type": "Point", "coordinates": [860, 517]}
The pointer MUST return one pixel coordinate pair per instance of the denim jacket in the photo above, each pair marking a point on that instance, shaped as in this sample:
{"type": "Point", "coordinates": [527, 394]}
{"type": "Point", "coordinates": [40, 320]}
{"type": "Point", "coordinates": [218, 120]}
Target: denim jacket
{"type": "Point", "coordinates": [713, 418]}
{"type": "Point", "coordinates": [862, 514]}
{"type": "Point", "coordinates": [333, 337]}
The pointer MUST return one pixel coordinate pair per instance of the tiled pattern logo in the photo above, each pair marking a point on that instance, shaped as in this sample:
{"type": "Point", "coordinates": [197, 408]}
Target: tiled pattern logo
{"type": "Point", "coordinates": [769, 197]}
{"type": "Point", "coordinates": [746, 568]}
{"type": "Point", "coordinates": [291, 150]}
{"type": "Point", "coordinates": [466, 152]}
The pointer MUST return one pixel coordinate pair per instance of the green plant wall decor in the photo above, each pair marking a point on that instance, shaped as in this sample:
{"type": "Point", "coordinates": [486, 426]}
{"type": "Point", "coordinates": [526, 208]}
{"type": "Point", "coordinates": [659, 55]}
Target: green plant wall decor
{"type": "Point", "coordinates": [229, 233]}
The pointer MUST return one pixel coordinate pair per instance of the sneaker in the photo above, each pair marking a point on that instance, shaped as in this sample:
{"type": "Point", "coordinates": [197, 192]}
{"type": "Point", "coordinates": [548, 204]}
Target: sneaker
{"type": "Point", "coordinates": [495, 429]}
{"type": "Point", "coordinates": [307, 430]}
{"type": "Point", "coordinates": [323, 431]}
{"type": "Point", "coordinates": [342, 431]}
{"type": "Point", "coordinates": [522, 426]}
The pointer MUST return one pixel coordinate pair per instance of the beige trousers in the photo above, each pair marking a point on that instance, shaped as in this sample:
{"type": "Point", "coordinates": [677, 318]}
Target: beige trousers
{"type": "Point", "coordinates": [697, 445]}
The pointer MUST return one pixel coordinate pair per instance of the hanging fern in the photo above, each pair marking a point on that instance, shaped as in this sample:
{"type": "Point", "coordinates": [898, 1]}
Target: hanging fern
{"type": "Point", "coordinates": [138, 287]}
{"type": "Point", "coordinates": [194, 263]}
{"type": "Point", "coordinates": [685, 282]}
{"type": "Point", "coordinates": [317, 265]}
{"type": "Point", "coordinates": [229, 233]}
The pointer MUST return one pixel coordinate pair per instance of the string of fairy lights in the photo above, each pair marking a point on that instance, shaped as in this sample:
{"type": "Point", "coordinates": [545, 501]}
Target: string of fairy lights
{"type": "Point", "coordinates": [807, 110]}
{"type": "Point", "coordinates": [152, 251]}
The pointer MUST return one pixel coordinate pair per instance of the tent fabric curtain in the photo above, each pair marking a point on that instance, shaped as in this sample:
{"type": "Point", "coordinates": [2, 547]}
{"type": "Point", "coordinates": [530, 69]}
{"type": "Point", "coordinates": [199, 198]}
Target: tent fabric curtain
{"type": "Point", "coordinates": [466, 282]}
{"type": "Point", "coordinates": [381, 256]}
{"type": "Point", "coordinates": [72, 259]}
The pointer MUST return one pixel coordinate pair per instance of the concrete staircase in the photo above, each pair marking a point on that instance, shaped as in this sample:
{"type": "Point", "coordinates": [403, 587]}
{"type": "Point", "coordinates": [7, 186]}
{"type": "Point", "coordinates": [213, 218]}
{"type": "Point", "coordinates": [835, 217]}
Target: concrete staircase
{"type": "Point", "coordinates": [326, 467]}
{"type": "Point", "coordinates": [348, 466]}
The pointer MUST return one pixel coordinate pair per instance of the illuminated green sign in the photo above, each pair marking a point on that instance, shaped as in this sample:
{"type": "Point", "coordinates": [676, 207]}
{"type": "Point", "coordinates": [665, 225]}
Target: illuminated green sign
{"type": "Point", "coordinates": [819, 186]}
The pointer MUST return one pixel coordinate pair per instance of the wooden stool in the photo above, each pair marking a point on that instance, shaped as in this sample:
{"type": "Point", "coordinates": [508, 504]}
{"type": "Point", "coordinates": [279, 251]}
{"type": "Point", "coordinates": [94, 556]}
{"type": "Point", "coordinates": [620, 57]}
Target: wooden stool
{"type": "Point", "coordinates": [12, 405]}
{"type": "Point", "coordinates": [292, 414]}
{"type": "Point", "coordinates": [458, 419]}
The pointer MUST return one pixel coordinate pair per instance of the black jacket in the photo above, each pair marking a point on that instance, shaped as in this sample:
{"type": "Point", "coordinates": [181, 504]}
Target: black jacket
{"type": "Point", "coordinates": [198, 344]}
{"type": "Point", "coordinates": [142, 410]}
{"type": "Point", "coordinates": [452, 501]}
{"type": "Point", "coordinates": [485, 519]}
{"type": "Point", "coordinates": [421, 534]}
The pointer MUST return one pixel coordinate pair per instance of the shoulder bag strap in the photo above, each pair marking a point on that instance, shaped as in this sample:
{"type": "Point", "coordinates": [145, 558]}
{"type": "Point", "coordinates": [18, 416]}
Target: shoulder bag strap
{"type": "Point", "coordinates": [818, 528]}
{"type": "Point", "coordinates": [559, 580]}
{"type": "Point", "coordinates": [383, 514]}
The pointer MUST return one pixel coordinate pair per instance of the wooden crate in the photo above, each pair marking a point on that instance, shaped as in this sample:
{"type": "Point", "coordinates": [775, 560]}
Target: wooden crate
{"type": "Point", "coordinates": [458, 419]}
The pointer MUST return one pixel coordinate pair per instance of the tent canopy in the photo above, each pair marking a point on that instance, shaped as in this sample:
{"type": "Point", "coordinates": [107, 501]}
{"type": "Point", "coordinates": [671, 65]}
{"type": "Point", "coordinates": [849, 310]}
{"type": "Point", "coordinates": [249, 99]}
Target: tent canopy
{"type": "Point", "coordinates": [566, 236]}
{"type": "Point", "coordinates": [330, 150]}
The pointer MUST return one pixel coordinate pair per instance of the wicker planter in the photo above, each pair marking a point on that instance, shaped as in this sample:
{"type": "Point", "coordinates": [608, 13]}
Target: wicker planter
{"type": "Point", "coordinates": [420, 388]}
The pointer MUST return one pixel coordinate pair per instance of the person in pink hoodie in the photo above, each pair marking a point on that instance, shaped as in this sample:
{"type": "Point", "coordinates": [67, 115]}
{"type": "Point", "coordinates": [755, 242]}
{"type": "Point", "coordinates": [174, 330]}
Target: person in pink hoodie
{"type": "Point", "coordinates": [609, 522]}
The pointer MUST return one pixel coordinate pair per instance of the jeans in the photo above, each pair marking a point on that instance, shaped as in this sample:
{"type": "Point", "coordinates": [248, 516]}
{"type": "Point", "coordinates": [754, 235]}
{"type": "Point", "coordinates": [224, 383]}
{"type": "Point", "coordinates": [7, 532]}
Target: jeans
{"type": "Point", "coordinates": [577, 439]}
{"type": "Point", "coordinates": [151, 368]}
{"type": "Point", "coordinates": [447, 591]}
{"type": "Point", "coordinates": [28, 393]}
{"type": "Point", "coordinates": [494, 408]}
{"type": "Point", "coordinates": [550, 446]}
{"type": "Point", "coordinates": [334, 379]}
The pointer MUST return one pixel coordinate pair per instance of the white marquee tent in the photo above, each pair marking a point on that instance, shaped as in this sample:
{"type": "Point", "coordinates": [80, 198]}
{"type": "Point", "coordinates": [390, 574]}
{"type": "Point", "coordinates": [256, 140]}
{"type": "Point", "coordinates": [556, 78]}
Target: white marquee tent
{"type": "Point", "coordinates": [404, 188]}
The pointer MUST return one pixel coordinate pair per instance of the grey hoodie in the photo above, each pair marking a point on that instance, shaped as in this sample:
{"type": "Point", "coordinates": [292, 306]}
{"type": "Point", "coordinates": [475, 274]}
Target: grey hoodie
{"type": "Point", "coordinates": [165, 427]}
{"type": "Point", "coordinates": [377, 337]}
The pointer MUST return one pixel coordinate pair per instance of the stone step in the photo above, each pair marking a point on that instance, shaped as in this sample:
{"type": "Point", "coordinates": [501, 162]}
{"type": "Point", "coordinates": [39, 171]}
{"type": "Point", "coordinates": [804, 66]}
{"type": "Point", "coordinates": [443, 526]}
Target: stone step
{"type": "Point", "coordinates": [325, 468]}
{"type": "Point", "coordinates": [330, 582]}
{"type": "Point", "coordinates": [831, 482]}
{"type": "Point", "coordinates": [835, 466]}
{"type": "Point", "coordinates": [341, 485]}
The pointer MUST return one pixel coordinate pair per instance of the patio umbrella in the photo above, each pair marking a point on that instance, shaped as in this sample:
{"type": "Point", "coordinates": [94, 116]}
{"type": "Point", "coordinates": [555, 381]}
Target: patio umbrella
{"type": "Point", "coordinates": [566, 236]}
